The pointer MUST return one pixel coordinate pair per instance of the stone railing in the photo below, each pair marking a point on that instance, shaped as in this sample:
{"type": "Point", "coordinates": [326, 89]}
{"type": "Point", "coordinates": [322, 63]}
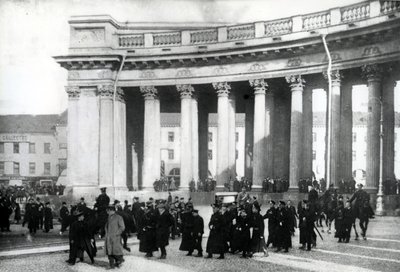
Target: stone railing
{"type": "Point", "coordinates": [355, 12]}
{"type": "Point", "coordinates": [390, 6]}
{"type": "Point", "coordinates": [275, 28]}
{"type": "Point", "coordinates": [241, 32]}
{"type": "Point", "coordinates": [173, 38]}
{"type": "Point", "coordinates": [318, 20]}
{"type": "Point", "coordinates": [131, 40]}
{"type": "Point", "coordinates": [204, 36]}
{"type": "Point", "coordinates": [278, 27]}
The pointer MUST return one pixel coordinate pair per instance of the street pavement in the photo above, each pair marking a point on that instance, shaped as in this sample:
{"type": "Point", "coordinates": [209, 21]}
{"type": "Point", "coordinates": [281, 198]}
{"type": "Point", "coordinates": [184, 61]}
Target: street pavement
{"type": "Point", "coordinates": [380, 252]}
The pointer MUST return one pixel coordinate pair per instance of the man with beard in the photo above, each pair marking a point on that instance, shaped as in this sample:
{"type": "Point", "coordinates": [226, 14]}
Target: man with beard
{"type": "Point", "coordinates": [187, 223]}
{"type": "Point", "coordinates": [306, 225]}
{"type": "Point", "coordinates": [283, 232]}
{"type": "Point", "coordinates": [272, 223]}
{"type": "Point", "coordinates": [163, 224]}
{"type": "Point", "coordinates": [79, 240]}
{"type": "Point", "coordinates": [198, 231]}
{"type": "Point", "coordinates": [215, 242]}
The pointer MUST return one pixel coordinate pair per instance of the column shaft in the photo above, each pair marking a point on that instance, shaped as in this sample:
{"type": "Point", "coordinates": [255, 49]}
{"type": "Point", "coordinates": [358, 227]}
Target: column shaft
{"type": "Point", "coordinates": [306, 171]}
{"type": "Point", "coordinates": [195, 140]}
{"type": "Point", "coordinates": [186, 142]}
{"type": "Point", "coordinates": [249, 133]}
{"type": "Point", "coordinates": [335, 129]}
{"type": "Point", "coordinates": [269, 137]}
{"type": "Point", "coordinates": [157, 141]}
{"type": "Point", "coordinates": [296, 131]}
{"type": "Point", "coordinates": [388, 128]}
{"type": "Point", "coordinates": [232, 136]}
{"type": "Point", "coordinates": [120, 141]}
{"type": "Point", "coordinates": [346, 132]}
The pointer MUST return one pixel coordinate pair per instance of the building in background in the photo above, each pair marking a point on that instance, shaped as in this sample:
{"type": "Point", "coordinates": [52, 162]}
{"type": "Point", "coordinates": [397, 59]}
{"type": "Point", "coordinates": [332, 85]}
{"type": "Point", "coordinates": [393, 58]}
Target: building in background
{"type": "Point", "coordinates": [32, 148]}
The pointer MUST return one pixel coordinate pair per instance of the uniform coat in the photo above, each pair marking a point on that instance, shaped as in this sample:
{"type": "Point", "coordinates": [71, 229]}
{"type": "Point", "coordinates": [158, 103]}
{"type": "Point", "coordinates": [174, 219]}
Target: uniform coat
{"type": "Point", "coordinates": [215, 242]}
{"type": "Point", "coordinates": [198, 231]}
{"type": "Point", "coordinates": [79, 238]}
{"type": "Point", "coordinates": [187, 243]}
{"type": "Point", "coordinates": [163, 224]}
{"type": "Point", "coordinates": [257, 243]}
{"type": "Point", "coordinates": [271, 215]}
{"type": "Point", "coordinates": [113, 230]}
{"type": "Point", "coordinates": [241, 234]}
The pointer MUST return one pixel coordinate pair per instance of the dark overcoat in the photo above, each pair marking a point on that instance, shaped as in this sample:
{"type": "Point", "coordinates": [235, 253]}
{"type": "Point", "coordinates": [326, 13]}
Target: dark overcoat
{"type": "Point", "coordinates": [163, 224]}
{"type": "Point", "coordinates": [215, 242]}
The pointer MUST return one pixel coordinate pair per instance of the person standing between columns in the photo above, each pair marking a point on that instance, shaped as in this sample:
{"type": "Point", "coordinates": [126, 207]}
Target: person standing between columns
{"type": "Point", "coordinates": [260, 87]}
{"type": "Point", "coordinates": [222, 89]}
{"type": "Point", "coordinates": [296, 131]}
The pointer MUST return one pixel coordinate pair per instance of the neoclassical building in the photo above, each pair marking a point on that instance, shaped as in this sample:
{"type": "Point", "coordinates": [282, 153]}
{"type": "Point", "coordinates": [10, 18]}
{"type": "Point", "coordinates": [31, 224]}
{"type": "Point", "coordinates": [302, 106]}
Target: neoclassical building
{"type": "Point", "coordinates": [122, 76]}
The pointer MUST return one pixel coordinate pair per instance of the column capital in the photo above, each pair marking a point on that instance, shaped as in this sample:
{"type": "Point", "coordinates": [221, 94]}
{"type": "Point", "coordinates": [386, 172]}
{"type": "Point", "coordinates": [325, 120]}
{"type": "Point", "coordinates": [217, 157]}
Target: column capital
{"type": "Point", "coordinates": [259, 85]}
{"type": "Point", "coordinates": [120, 95]}
{"type": "Point", "coordinates": [296, 82]}
{"type": "Point", "coordinates": [149, 92]}
{"type": "Point", "coordinates": [222, 88]}
{"type": "Point", "coordinates": [106, 91]}
{"type": "Point", "coordinates": [185, 90]}
{"type": "Point", "coordinates": [336, 76]}
{"type": "Point", "coordinates": [372, 72]}
{"type": "Point", "coordinates": [73, 92]}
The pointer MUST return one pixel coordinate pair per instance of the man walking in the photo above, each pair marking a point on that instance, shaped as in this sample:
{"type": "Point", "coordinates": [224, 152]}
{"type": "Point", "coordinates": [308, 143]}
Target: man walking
{"type": "Point", "coordinates": [163, 224]}
{"type": "Point", "coordinates": [112, 243]}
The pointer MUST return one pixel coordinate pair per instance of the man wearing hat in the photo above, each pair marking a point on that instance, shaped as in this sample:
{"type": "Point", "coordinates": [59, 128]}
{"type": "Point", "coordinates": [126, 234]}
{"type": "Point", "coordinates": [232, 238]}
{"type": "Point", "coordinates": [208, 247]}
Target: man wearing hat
{"type": "Point", "coordinates": [48, 217]}
{"type": "Point", "coordinates": [215, 242]}
{"type": "Point", "coordinates": [198, 231]}
{"type": "Point", "coordinates": [64, 217]}
{"type": "Point", "coordinates": [271, 215]}
{"type": "Point", "coordinates": [79, 239]}
{"type": "Point", "coordinates": [284, 240]}
{"type": "Point", "coordinates": [112, 242]}
{"type": "Point", "coordinates": [163, 224]}
{"type": "Point", "coordinates": [187, 224]}
{"type": "Point", "coordinates": [81, 205]}
{"type": "Point", "coordinates": [306, 225]}
{"type": "Point", "coordinates": [31, 215]}
{"type": "Point", "coordinates": [147, 230]}
{"type": "Point", "coordinates": [360, 197]}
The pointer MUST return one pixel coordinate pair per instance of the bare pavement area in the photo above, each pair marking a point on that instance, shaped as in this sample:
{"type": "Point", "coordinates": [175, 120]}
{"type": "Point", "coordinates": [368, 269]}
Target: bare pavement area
{"type": "Point", "coordinates": [380, 252]}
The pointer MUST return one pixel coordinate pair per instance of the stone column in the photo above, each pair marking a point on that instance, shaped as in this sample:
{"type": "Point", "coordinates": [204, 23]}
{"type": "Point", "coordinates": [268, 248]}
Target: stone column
{"type": "Point", "coordinates": [335, 127]}
{"type": "Point", "coordinates": [260, 87]}
{"type": "Point", "coordinates": [388, 126]}
{"type": "Point", "coordinates": [151, 127]}
{"type": "Point", "coordinates": [269, 136]}
{"type": "Point", "coordinates": [249, 124]}
{"type": "Point", "coordinates": [296, 131]}
{"type": "Point", "coordinates": [232, 136]}
{"type": "Point", "coordinates": [106, 135]}
{"type": "Point", "coordinates": [306, 171]}
{"type": "Point", "coordinates": [373, 74]}
{"type": "Point", "coordinates": [346, 131]}
{"type": "Point", "coordinates": [222, 89]}
{"type": "Point", "coordinates": [120, 141]}
{"type": "Point", "coordinates": [186, 93]}
{"type": "Point", "coordinates": [157, 142]}
{"type": "Point", "coordinates": [203, 139]}
{"type": "Point", "coordinates": [73, 136]}
{"type": "Point", "coordinates": [195, 139]}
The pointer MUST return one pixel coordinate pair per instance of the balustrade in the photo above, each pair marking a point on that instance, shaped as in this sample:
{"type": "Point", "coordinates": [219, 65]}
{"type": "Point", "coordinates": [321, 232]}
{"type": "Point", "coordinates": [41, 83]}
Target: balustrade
{"type": "Point", "coordinates": [241, 32]}
{"type": "Point", "coordinates": [131, 41]}
{"type": "Point", "coordinates": [390, 6]}
{"type": "Point", "coordinates": [204, 36]}
{"type": "Point", "coordinates": [318, 20]}
{"type": "Point", "coordinates": [167, 39]}
{"type": "Point", "coordinates": [355, 12]}
{"type": "Point", "coordinates": [278, 27]}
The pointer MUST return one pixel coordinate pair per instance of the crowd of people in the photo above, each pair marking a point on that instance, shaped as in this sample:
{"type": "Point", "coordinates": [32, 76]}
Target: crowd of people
{"type": "Point", "coordinates": [23, 192]}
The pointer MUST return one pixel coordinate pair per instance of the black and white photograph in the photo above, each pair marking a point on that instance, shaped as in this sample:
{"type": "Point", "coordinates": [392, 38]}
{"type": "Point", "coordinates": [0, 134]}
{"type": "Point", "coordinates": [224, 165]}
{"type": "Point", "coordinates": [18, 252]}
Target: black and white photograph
{"type": "Point", "coordinates": [199, 135]}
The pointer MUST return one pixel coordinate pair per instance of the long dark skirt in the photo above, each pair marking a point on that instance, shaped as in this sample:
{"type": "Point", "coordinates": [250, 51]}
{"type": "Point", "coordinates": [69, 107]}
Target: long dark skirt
{"type": "Point", "coordinates": [148, 242]}
{"type": "Point", "coordinates": [215, 243]}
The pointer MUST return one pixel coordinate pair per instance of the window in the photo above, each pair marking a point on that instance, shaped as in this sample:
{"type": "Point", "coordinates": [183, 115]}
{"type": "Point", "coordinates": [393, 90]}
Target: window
{"type": "Point", "coordinates": [210, 136]}
{"type": "Point", "coordinates": [171, 136]}
{"type": "Point", "coordinates": [354, 156]}
{"type": "Point", "coordinates": [62, 146]}
{"type": "Point", "coordinates": [16, 168]}
{"type": "Point", "coordinates": [46, 148]}
{"type": "Point", "coordinates": [314, 137]}
{"type": "Point", "coordinates": [1, 168]}
{"type": "Point", "coordinates": [47, 168]}
{"type": "Point", "coordinates": [314, 155]}
{"type": "Point", "coordinates": [32, 168]}
{"type": "Point", "coordinates": [354, 137]}
{"type": "Point", "coordinates": [32, 148]}
{"type": "Point", "coordinates": [1, 147]}
{"type": "Point", "coordinates": [170, 154]}
{"type": "Point", "coordinates": [209, 154]}
{"type": "Point", "coordinates": [237, 154]}
{"type": "Point", "coordinates": [16, 148]}
{"type": "Point", "coordinates": [237, 136]}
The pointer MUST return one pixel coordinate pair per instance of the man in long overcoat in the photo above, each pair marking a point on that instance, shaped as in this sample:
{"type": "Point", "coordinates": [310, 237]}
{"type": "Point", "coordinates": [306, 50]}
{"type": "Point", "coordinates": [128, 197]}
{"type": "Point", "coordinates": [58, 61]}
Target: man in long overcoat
{"type": "Point", "coordinates": [198, 231]}
{"type": "Point", "coordinates": [284, 235]}
{"type": "Point", "coordinates": [215, 242]}
{"type": "Point", "coordinates": [272, 224]}
{"type": "Point", "coordinates": [163, 224]}
{"type": "Point", "coordinates": [187, 219]}
{"type": "Point", "coordinates": [112, 242]}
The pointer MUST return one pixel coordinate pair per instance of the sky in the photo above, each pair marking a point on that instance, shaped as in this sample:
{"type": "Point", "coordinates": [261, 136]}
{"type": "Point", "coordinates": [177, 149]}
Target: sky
{"type": "Point", "coordinates": [32, 31]}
